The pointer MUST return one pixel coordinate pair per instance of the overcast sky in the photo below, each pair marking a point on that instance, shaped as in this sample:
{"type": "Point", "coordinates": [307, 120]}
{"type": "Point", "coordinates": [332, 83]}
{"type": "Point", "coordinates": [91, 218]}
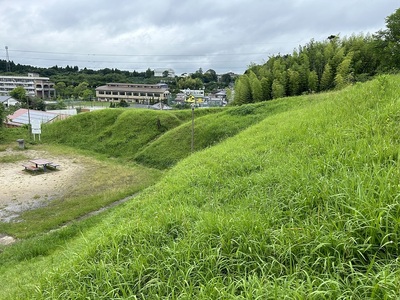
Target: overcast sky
{"type": "Point", "coordinates": [185, 35]}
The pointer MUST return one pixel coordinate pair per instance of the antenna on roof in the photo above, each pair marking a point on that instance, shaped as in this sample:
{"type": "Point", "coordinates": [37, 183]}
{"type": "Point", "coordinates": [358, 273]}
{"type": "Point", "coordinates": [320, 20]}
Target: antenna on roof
{"type": "Point", "coordinates": [8, 69]}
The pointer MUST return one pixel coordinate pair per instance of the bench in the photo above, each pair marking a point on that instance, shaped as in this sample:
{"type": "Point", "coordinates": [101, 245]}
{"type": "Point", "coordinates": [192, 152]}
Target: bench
{"type": "Point", "coordinates": [30, 168]}
{"type": "Point", "coordinates": [53, 166]}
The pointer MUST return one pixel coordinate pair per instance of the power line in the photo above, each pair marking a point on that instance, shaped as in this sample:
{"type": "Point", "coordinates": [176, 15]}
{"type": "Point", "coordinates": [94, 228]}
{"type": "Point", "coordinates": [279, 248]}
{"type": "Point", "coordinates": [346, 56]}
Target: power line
{"type": "Point", "coordinates": [93, 59]}
{"type": "Point", "coordinates": [124, 62]}
{"type": "Point", "coordinates": [137, 55]}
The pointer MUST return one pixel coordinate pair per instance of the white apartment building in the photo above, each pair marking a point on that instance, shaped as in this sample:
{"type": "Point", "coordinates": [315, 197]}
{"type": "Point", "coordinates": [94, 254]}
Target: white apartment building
{"type": "Point", "coordinates": [34, 85]}
{"type": "Point", "coordinates": [160, 72]}
{"type": "Point", "coordinates": [132, 92]}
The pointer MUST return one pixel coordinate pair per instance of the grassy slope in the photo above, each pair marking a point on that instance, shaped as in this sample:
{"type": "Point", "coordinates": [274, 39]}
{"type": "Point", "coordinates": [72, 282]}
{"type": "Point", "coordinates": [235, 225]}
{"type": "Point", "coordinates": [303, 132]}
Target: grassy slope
{"type": "Point", "coordinates": [209, 130]}
{"type": "Point", "coordinates": [301, 204]}
{"type": "Point", "coordinates": [115, 132]}
{"type": "Point", "coordinates": [159, 139]}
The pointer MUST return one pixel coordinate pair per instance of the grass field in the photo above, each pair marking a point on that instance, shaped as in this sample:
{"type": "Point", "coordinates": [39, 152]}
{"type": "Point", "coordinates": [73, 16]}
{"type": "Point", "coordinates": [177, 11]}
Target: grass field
{"type": "Point", "coordinates": [296, 198]}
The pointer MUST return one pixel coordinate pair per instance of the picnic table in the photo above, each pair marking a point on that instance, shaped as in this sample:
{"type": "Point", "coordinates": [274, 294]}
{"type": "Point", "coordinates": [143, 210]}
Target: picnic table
{"type": "Point", "coordinates": [41, 162]}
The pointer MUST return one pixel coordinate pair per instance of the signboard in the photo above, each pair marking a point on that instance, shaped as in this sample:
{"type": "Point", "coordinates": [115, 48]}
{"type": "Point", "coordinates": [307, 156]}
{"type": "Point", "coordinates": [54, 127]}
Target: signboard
{"type": "Point", "coordinates": [36, 131]}
{"type": "Point", "coordinates": [35, 125]}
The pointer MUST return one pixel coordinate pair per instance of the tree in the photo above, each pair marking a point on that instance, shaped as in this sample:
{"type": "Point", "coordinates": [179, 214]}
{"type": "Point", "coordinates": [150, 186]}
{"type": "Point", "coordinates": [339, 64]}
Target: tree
{"type": "Point", "coordinates": [69, 91]}
{"type": "Point", "coordinates": [255, 87]}
{"type": "Point", "coordinates": [210, 76]}
{"type": "Point", "coordinates": [343, 77]}
{"type": "Point", "coordinates": [326, 79]}
{"type": "Point", "coordinates": [278, 90]}
{"type": "Point", "coordinates": [19, 93]}
{"type": "Point", "coordinates": [228, 94]}
{"type": "Point", "coordinates": [304, 71]}
{"type": "Point", "coordinates": [37, 103]}
{"type": "Point", "coordinates": [280, 78]}
{"type": "Point", "coordinates": [60, 88]}
{"type": "Point", "coordinates": [149, 73]}
{"type": "Point", "coordinates": [242, 90]}
{"type": "Point", "coordinates": [266, 88]}
{"type": "Point", "coordinates": [388, 42]}
{"type": "Point", "coordinates": [190, 83]}
{"type": "Point", "coordinates": [2, 115]}
{"type": "Point", "coordinates": [313, 81]}
{"type": "Point", "coordinates": [123, 103]}
{"type": "Point", "coordinates": [87, 95]}
{"type": "Point", "coordinates": [226, 79]}
{"type": "Point", "coordinates": [80, 88]}
{"type": "Point", "coordinates": [337, 59]}
{"type": "Point", "coordinates": [294, 82]}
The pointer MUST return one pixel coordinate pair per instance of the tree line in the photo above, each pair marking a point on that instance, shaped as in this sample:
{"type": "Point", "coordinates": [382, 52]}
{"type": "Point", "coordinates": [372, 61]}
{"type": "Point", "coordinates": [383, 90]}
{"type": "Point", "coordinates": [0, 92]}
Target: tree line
{"type": "Point", "coordinates": [322, 66]}
{"type": "Point", "coordinates": [72, 82]}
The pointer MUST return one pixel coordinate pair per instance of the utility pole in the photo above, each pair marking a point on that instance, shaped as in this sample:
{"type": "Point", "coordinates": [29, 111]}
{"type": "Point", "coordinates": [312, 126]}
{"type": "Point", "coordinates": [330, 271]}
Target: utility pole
{"type": "Point", "coordinates": [192, 141]}
{"type": "Point", "coordinates": [8, 69]}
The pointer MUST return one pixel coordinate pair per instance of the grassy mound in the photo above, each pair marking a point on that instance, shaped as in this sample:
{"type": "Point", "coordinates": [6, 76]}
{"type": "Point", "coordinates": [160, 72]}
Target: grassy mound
{"type": "Point", "coordinates": [303, 204]}
{"type": "Point", "coordinates": [159, 139]}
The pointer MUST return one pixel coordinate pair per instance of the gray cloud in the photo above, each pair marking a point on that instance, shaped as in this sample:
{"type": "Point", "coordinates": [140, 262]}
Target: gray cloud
{"type": "Point", "coordinates": [184, 35]}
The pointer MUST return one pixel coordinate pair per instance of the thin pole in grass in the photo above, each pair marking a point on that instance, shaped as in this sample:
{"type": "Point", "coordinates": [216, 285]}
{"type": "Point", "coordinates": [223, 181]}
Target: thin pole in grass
{"type": "Point", "coordinates": [29, 120]}
{"type": "Point", "coordinates": [192, 143]}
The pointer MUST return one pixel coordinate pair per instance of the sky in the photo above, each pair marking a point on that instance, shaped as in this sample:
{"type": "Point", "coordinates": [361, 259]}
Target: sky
{"type": "Point", "coordinates": [184, 35]}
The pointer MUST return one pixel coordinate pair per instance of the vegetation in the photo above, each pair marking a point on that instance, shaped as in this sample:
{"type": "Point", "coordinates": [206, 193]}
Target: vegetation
{"type": "Point", "coordinates": [322, 66]}
{"type": "Point", "coordinates": [119, 132]}
{"type": "Point", "coordinates": [301, 204]}
{"type": "Point", "coordinates": [72, 83]}
{"type": "Point", "coordinates": [158, 139]}
{"type": "Point", "coordinates": [2, 117]}
{"type": "Point", "coordinates": [25, 101]}
{"type": "Point", "coordinates": [293, 198]}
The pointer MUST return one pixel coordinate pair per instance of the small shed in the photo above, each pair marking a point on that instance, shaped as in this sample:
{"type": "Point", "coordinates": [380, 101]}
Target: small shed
{"type": "Point", "coordinates": [8, 101]}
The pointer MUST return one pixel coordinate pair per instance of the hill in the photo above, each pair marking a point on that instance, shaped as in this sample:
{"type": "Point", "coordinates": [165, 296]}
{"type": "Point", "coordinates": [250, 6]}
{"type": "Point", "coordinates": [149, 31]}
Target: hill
{"type": "Point", "coordinates": [301, 204]}
{"type": "Point", "coordinates": [159, 139]}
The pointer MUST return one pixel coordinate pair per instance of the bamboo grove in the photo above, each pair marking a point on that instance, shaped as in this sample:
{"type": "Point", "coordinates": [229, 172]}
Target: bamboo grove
{"type": "Point", "coordinates": [323, 65]}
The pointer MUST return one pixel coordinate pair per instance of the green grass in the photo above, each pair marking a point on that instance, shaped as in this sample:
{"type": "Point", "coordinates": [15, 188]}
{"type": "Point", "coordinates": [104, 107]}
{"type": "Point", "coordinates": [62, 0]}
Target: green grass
{"type": "Point", "coordinates": [159, 139]}
{"type": "Point", "coordinates": [115, 132]}
{"type": "Point", "coordinates": [300, 204]}
{"type": "Point", "coordinates": [12, 158]}
{"type": "Point", "coordinates": [10, 135]}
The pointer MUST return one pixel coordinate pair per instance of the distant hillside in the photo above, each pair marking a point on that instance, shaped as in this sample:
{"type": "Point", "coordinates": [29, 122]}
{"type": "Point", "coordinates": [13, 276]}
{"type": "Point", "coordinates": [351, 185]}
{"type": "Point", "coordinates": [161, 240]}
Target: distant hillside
{"type": "Point", "coordinates": [301, 203]}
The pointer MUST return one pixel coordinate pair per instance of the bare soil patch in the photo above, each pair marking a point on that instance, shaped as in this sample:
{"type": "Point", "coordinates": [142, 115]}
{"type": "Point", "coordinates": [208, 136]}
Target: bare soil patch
{"type": "Point", "coordinates": [22, 190]}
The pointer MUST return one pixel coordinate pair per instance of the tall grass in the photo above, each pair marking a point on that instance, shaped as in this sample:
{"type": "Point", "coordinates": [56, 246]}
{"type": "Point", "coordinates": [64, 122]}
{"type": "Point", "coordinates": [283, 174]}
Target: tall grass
{"type": "Point", "coordinates": [302, 205]}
